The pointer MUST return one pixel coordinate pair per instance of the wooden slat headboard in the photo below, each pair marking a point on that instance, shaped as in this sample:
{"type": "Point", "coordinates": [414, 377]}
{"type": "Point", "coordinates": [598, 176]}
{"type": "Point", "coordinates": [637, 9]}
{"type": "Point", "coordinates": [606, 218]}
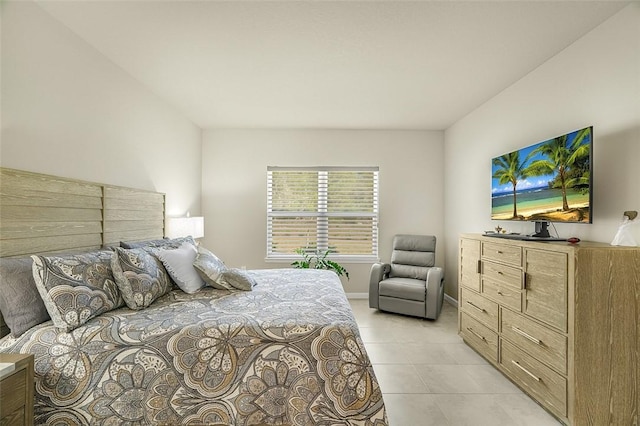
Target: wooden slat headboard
{"type": "Point", "coordinates": [40, 213]}
{"type": "Point", "coordinates": [50, 214]}
{"type": "Point", "coordinates": [132, 215]}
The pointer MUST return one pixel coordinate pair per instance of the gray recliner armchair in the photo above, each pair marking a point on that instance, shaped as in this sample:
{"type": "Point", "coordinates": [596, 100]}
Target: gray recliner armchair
{"type": "Point", "coordinates": [411, 284]}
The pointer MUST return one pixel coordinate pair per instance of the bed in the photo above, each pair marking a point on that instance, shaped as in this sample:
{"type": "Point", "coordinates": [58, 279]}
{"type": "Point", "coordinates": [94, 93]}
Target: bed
{"type": "Point", "coordinates": [288, 352]}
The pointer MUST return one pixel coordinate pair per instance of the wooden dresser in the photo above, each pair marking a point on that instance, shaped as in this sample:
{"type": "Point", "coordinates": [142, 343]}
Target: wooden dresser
{"type": "Point", "coordinates": [561, 321]}
{"type": "Point", "coordinates": [16, 390]}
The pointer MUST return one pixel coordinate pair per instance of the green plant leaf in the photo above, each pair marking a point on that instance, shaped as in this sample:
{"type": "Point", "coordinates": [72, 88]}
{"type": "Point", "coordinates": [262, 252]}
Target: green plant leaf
{"type": "Point", "coordinates": [318, 260]}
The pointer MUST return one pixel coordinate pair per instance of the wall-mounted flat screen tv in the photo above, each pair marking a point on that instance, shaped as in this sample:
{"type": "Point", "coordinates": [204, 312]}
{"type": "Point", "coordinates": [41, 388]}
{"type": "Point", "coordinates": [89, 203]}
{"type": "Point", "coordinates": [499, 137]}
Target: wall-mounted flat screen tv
{"type": "Point", "coordinates": [550, 181]}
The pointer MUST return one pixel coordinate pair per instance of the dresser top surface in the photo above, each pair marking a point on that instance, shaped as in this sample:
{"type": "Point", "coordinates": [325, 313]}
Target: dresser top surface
{"type": "Point", "coordinates": [553, 245]}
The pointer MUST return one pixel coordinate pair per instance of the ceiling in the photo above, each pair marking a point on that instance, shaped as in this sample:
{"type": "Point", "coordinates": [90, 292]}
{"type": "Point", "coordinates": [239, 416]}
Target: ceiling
{"type": "Point", "coordinates": [326, 64]}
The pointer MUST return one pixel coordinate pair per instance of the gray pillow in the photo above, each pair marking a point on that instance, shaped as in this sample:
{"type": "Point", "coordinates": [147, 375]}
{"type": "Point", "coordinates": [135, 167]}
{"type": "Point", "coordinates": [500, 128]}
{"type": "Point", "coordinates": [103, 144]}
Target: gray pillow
{"type": "Point", "coordinates": [165, 243]}
{"type": "Point", "coordinates": [210, 268]}
{"type": "Point", "coordinates": [238, 278]}
{"type": "Point", "coordinates": [76, 287]}
{"type": "Point", "coordinates": [17, 290]}
{"type": "Point", "coordinates": [140, 277]}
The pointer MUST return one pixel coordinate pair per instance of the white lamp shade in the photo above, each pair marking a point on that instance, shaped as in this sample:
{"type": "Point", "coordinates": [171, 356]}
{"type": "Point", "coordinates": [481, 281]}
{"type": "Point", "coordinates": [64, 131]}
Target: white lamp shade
{"type": "Point", "coordinates": [184, 226]}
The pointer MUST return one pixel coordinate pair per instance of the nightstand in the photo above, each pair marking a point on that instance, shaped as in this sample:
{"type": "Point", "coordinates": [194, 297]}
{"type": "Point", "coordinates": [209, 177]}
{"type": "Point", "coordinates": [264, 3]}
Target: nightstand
{"type": "Point", "coordinates": [16, 389]}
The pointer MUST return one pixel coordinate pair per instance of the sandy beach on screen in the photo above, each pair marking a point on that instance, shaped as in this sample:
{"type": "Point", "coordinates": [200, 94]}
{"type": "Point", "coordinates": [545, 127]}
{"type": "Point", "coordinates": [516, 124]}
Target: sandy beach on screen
{"type": "Point", "coordinates": [576, 212]}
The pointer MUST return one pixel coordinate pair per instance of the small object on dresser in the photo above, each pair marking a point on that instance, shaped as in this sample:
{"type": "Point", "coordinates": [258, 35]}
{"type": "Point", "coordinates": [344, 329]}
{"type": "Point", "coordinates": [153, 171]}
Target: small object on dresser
{"type": "Point", "coordinates": [623, 236]}
{"type": "Point", "coordinates": [573, 240]}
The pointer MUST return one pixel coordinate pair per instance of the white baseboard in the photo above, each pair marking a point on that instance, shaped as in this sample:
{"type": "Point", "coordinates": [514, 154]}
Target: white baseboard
{"type": "Point", "coordinates": [447, 298]}
{"type": "Point", "coordinates": [357, 295]}
{"type": "Point", "coordinates": [451, 300]}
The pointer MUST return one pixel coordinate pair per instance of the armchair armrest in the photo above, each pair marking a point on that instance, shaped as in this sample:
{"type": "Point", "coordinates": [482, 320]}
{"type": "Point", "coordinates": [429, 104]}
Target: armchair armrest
{"type": "Point", "coordinates": [435, 292]}
{"type": "Point", "coordinates": [379, 271]}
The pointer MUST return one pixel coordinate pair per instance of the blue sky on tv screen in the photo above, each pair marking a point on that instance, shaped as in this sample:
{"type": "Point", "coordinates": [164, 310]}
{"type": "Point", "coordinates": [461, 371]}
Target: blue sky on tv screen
{"type": "Point", "coordinates": [533, 182]}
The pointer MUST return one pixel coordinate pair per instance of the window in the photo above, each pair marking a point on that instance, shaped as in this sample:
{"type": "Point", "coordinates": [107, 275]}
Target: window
{"type": "Point", "coordinates": [320, 208]}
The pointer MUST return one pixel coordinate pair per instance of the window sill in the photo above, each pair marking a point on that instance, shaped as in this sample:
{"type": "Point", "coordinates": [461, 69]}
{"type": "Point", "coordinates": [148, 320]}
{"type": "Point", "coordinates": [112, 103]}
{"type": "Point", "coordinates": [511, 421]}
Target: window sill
{"type": "Point", "coordinates": [339, 259]}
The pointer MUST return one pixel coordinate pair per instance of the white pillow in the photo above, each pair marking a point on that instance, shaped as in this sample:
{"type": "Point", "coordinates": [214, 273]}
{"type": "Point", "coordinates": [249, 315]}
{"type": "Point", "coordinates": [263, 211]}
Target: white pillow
{"type": "Point", "coordinates": [179, 264]}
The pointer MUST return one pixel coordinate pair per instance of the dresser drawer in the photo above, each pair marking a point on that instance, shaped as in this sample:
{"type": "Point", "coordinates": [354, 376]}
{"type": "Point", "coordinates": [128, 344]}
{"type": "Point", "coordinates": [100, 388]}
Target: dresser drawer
{"type": "Point", "coordinates": [504, 294]}
{"type": "Point", "coordinates": [502, 253]}
{"type": "Point", "coordinates": [537, 340]}
{"type": "Point", "coordinates": [547, 386]}
{"type": "Point", "coordinates": [505, 274]}
{"type": "Point", "coordinates": [479, 336]}
{"type": "Point", "coordinates": [480, 308]}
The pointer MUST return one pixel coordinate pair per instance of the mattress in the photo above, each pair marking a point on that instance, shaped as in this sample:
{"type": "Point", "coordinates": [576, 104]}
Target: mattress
{"type": "Point", "coordinates": [288, 353]}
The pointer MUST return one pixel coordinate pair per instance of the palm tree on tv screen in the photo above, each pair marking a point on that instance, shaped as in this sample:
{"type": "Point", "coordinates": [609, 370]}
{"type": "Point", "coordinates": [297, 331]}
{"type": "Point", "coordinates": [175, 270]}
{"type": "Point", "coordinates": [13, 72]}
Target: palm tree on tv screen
{"type": "Point", "coordinates": [563, 156]}
{"type": "Point", "coordinates": [510, 170]}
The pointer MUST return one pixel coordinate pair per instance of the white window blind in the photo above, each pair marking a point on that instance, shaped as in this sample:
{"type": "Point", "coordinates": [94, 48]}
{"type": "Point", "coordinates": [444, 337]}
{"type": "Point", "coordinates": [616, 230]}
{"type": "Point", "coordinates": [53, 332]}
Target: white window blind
{"type": "Point", "coordinates": [320, 208]}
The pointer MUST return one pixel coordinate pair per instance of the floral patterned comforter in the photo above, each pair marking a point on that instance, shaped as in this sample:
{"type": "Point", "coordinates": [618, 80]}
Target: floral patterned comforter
{"type": "Point", "coordinates": [287, 353]}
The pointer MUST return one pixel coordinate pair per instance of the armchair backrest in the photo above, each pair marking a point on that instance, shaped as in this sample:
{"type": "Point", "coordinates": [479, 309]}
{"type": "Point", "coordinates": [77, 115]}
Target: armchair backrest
{"type": "Point", "coordinates": [412, 256]}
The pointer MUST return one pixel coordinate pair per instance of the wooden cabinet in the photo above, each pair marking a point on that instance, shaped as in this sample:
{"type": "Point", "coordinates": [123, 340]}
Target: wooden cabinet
{"type": "Point", "coordinates": [561, 321]}
{"type": "Point", "coordinates": [16, 390]}
{"type": "Point", "coordinates": [470, 264]}
{"type": "Point", "coordinates": [545, 298]}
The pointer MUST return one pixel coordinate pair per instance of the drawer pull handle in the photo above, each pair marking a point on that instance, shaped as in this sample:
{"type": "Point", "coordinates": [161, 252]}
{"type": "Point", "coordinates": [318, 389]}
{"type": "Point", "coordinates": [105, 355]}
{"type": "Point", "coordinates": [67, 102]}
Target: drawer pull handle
{"type": "Point", "coordinates": [499, 251]}
{"type": "Point", "coordinates": [500, 293]}
{"type": "Point", "coordinates": [533, 376]}
{"type": "Point", "coordinates": [476, 307]}
{"type": "Point", "coordinates": [526, 335]}
{"type": "Point", "coordinates": [470, 330]}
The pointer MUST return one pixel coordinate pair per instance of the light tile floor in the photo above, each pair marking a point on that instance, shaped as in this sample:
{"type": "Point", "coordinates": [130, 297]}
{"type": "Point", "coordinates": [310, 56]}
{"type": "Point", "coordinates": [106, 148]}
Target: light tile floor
{"type": "Point", "coordinates": [429, 376]}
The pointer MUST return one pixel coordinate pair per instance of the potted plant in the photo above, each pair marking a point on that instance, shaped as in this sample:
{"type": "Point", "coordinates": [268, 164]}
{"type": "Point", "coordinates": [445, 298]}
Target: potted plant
{"type": "Point", "coordinates": [318, 260]}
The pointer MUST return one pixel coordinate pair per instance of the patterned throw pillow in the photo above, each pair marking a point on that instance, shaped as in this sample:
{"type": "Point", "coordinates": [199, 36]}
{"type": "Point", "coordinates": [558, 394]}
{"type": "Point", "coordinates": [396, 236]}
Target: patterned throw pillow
{"type": "Point", "coordinates": [210, 269]}
{"type": "Point", "coordinates": [140, 277]}
{"type": "Point", "coordinates": [76, 288]}
{"type": "Point", "coordinates": [238, 278]}
{"type": "Point", "coordinates": [179, 264]}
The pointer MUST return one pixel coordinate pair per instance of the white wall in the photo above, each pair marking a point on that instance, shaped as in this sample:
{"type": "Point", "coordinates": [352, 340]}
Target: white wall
{"type": "Point", "coordinates": [234, 173]}
{"type": "Point", "coordinates": [595, 81]}
{"type": "Point", "coordinates": [69, 111]}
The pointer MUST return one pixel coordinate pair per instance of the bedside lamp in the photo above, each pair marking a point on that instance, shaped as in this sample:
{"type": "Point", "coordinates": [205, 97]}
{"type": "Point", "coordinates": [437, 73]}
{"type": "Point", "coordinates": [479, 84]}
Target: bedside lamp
{"type": "Point", "coordinates": [184, 226]}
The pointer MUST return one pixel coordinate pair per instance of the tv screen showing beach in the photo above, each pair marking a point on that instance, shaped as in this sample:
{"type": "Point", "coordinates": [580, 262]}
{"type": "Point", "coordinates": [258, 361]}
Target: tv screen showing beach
{"type": "Point", "coordinates": [548, 181]}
